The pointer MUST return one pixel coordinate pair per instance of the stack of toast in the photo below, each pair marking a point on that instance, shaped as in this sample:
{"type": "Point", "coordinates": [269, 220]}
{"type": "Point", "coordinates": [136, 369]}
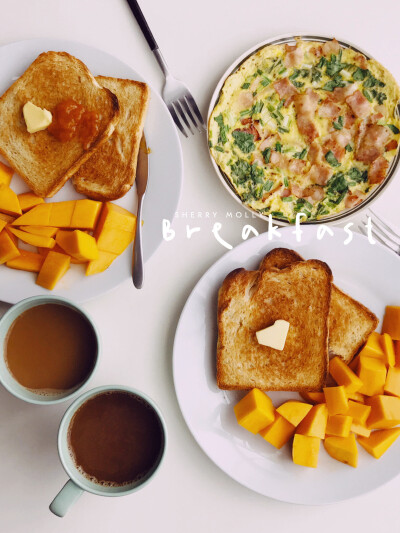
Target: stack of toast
{"type": "Point", "coordinates": [324, 322]}
{"type": "Point", "coordinates": [103, 171]}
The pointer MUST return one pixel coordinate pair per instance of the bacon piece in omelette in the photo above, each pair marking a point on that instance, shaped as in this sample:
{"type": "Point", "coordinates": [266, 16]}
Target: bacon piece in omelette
{"type": "Point", "coordinates": [361, 61]}
{"type": "Point", "coordinates": [251, 128]}
{"type": "Point", "coordinates": [315, 152]}
{"type": "Point", "coordinates": [340, 94]}
{"type": "Point", "coordinates": [359, 104]}
{"type": "Point", "coordinates": [353, 199]}
{"type": "Point", "coordinates": [294, 56]}
{"type": "Point", "coordinates": [377, 170]}
{"type": "Point", "coordinates": [337, 142]}
{"type": "Point", "coordinates": [330, 47]}
{"type": "Point", "coordinates": [285, 90]}
{"type": "Point", "coordinates": [328, 109]}
{"type": "Point", "coordinates": [295, 166]}
{"type": "Point", "coordinates": [306, 105]}
{"type": "Point", "coordinates": [391, 145]}
{"type": "Point", "coordinates": [320, 174]}
{"type": "Point", "coordinates": [372, 140]}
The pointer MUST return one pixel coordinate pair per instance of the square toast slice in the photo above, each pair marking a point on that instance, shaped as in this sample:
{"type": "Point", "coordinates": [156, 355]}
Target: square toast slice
{"type": "Point", "coordinates": [350, 322]}
{"type": "Point", "coordinates": [39, 158]}
{"type": "Point", "coordinates": [249, 301]}
{"type": "Point", "coordinates": [111, 172]}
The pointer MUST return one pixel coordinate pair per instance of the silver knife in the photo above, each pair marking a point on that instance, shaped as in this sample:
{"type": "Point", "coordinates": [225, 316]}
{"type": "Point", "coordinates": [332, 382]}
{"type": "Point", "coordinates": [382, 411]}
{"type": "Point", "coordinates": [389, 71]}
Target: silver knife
{"type": "Point", "coordinates": [142, 173]}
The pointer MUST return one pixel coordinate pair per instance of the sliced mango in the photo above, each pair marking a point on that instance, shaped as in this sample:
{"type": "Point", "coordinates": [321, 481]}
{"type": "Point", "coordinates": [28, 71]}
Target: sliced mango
{"type": "Point", "coordinates": [372, 347]}
{"type": "Point", "coordinates": [353, 365]}
{"type": "Point", "coordinates": [372, 373]}
{"type": "Point", "coordinates": [385, 412]}
{"type": "Point", "coordinates": [314, 424]}
{"type": "Point", "coordinates": [6, 173]}
{"type": "Point", "coordinates": [391, 321]}
{"type": "Point", "coordinates": [343, 375]}
{"type": "Point", "coordinates": [35, 240]}
{"type": "Point", "coordinates": [3, 224]}
{"type": "Point", "coordinates": [360, 429]}
{"type": "Point", "coordinates": [78, 244]}
{"type": "Point", "coordinates": [101, 263]}
{"type": "Point", "coordinates": [45, 231]}
{"type": "Point", "coordinates": [9, 203]}
{"type": "Point", "coordinates": [356, 396]}
{"type": "Point", "coordinates": [86, 214]}
{"type": "Point", "coordinates": [114, 240]}
{"type": "Point", "coordinates": [336, 400]}
{"type": "Point", "coordinates": [255, 411]}
{"type": "Point", "coordinates": [388, 349]}
{"type": "Point", "coordinates": [61, 214]}
{"type": "Point", "coordinates": [294, 411]}
{"type": "Point", "coordinates": [27, 200]}
{"type": "Point", "coordinates": [37, 216]}
{"type": "Point", "coordinates": [343, 449]}
{"type": "Point", "coordinates": [358, 412]}
{"type": "Point", "coordinates": [379, 441]}
{"type": "Point", "coordinates": [7, 218]}
{"type": "Point", "coordinates": [116, 217]}
{"type": "Point", "coordinates": [396, 349]}
{"type": "Point", "coordinates": [392, 385]}
{"type": "Point", "coordinates": [305, 450]}
{"type": "Point", "coordinates": [339, 425]}
{"type": "Point", "coordinates": [313, 397]}
{"type": "Point", "coordinates": [54, 266]}
{"type": "Point", "coordinates": [8, 249]}
{"type": "Point", "coordinates": [279, 432]}
{"type": "Point", "coordinates": [29, 261]}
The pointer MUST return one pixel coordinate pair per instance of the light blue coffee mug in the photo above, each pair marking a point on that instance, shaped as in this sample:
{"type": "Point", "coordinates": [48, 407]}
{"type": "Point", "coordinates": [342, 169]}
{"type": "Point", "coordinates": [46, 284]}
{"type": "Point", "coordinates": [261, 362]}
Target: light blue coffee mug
{"type": "Point", "coordinates": [78, 483]}
{"type": "Point", "coordinates": [8, 380]}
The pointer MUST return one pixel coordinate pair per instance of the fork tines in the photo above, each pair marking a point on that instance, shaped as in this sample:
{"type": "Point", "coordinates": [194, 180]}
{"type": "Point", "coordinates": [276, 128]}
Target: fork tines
{"type": "Point", "coordinates": [382, 232]}
{"type": "Point", "coordinates": [185, 106]}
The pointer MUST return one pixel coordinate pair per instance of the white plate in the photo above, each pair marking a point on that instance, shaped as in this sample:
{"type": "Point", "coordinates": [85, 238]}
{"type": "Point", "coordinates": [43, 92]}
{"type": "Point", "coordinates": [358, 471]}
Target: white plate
{"type": "Point", "coordinates": [369, 273]}
{"type": "Point", "coordinates": [164, 185]}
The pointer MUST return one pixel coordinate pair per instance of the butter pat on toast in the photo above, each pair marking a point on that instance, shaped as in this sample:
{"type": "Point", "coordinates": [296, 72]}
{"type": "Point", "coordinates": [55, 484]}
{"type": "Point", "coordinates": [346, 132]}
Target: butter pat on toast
{"type": "Point", "coordinates": [110, 173]}
{"type": "Point", "coordinates": [39, 158]}
{"type": "Point", "coordinates": [350, 322]}
{"type": "Point", "coordinates": [249, 301]}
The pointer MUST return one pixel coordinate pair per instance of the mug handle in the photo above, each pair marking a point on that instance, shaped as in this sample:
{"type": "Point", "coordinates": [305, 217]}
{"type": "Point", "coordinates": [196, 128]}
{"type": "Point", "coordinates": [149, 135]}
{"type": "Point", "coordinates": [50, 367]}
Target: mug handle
{"type": "Point", "coordinates": [67, 496]}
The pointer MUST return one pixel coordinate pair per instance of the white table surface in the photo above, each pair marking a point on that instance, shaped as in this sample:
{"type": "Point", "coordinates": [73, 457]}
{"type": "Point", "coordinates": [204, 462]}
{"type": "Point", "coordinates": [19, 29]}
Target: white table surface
{"type": "Point", "coordinates": [199, 40]}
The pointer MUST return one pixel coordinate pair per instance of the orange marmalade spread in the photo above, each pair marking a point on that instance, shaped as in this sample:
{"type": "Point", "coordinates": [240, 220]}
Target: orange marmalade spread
{"type": "Point", "coordinates": [71, 120]}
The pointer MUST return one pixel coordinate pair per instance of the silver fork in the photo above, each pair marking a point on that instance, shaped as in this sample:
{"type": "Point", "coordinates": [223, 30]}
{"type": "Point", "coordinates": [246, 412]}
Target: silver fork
{"type": "Point", "coordinates": [176, 95]}
{"type": "Point", "coordinates": [382, 232]}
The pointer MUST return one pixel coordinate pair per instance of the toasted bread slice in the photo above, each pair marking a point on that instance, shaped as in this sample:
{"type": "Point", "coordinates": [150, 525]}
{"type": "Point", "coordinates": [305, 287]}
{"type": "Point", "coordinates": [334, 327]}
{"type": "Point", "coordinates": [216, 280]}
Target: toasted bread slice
{"type": "Point", "coordinates": [249, 301]}
{"type": "Point", "coordinates": [110, 173]}
{"type": "Point", "coordinates": [350, 322]}
{"type": "Point", "coordinates": [39, 158]}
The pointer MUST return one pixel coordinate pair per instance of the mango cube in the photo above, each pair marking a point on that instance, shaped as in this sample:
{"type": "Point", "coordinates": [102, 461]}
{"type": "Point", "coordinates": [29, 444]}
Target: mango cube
{"type": "Point", "coordinates": [372, 373]}
{"type": "Point", "coordinates": [391, 321]}
{"type": "Point", "coordinates": [37, 216]}
{"type": "Point", "coordinates": [353, 365]}
{"type": "Point", "coordinates": [313, 397]}
{"type": "Point", "coordinates": [379, 441]}
{"type": "Point", "coordinates": [343, 375]}
{"type": "Point", "coordinates": [279, 432]}
{"type": "Point", "coordinates": [27, 200]}
{"type": "Point", "coordinates": [396, 350]}
{"type": "Point", "coordinates": [360, 429]}
{"type": "Point", "coordinates": [305, 450]}
{"type": "Point", "coordinates": [35, 240]}
{"type": "Point", "coordinates": [45, 231]}
{"type": "Point", "coordinates": [29, 261]}
{"type": "Point", "coordinates": [336, 400]}
{"type": "Point", "coordinates": [78, 244]}
{"type": "Point", "coordinates": [6, 173]}
{"type": "Point", "coordinates": [9, 219]}
{"type": "Point", "coordinates": [114, 240]}
{"type": "Point", "coordinates": [8, 249]}
{"type": "Point", "coordinates": [294, 411]}
{"type": "Point", "coordinates": [9, 203]}
{"type": "Point", "coordinates": [372, 347]}
{"type": "Point", "coordinates": [385, 412]}
{"type": "Point", "coordinates": [255, 411]}
{"type": "Point", "coordinates": [356, 396]}
{"type": "Point", "coordinates": [116, 217]}
{"type": "Point", "coordinates": [392, 385]}
{"type": "Point", "coordinates": [53, 269]}
{"type": "Point", "coordinates": [388, 349]}
{"type": "Point", "coordinates": [86, 214]}
{"type": "Point", "coordinates": [314, 424]}
{"type": "Point", "coordinates": [358, 412]}
{"type": "Point", "coordinates": [339, 425]}
{"type": "Point", "coordinates": [61, 214]}
{"type": "Point", "coordinates": [101, 263]}
{"type": "Point", "coordinates": [343, 449]}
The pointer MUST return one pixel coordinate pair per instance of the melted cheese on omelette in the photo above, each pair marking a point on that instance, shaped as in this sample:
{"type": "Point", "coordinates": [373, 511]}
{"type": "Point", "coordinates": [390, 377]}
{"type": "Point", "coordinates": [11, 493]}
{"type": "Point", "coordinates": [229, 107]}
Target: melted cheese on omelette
{"type": "Point", "coordinates": [308, 128]}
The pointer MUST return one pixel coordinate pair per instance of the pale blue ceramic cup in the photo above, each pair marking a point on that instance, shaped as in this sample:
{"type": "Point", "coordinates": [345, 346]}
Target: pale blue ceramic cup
{"type": "Point", "coordinates": [8, 380]}
{"type": "Point", "coordinates": [78, 483]}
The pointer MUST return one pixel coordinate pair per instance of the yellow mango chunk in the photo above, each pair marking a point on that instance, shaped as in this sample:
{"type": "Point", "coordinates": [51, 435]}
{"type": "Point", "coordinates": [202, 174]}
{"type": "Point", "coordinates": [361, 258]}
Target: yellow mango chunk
{"type": "Point", "coordinates": [279, 432]}
{"type": "Point", "coordinates": [114, 240]}
{"type": "Point", "coordinates": [8, 249]}
{"type": "Point", "coordinates": [255, 411]}
{"type": "Point", "coordinates": [78, 244]}
{"type": "Point", "coordinates": [305, 450]}
{"type": "Point", "coordinates": [391, 321]}
{"type": "Point", "coordinates": [6, 173]}
{"type": "Point", "coordinates": [379, 441]}
{"type": "Point", "coordinates": [392, 385]}
{"type": "Point", "coordinates": [29, 261]}
{"type": "Point", "coordinates": [86, 214]}
{"type": "Point", "coordinates": [101, 263]}
{"type": "Point", "coordinates": [343, 375]}
{"type": "Point", "coordinates": [385, 412]}
{"type": "Point", "coordinates": [46, 231]}
{"type": "Point", "coordinates": [372, 347]}
{"type": "Point", "coordinates": [35, 240]}
{"type": "Point", "coordinates": [7, 218]}
{"type": "Point", "coordinates": [61, 214]}
{"type": "Point", "coordinates": [358, 397]}
{"type": "Point", "coordinates": [293, 411]}
{"type": "Point", "coordinates": [353, 365]}
{"type": "Point", "coordinates": [9, 203]}
{"type": "Point", "coordinates": [313, 397]}
{"type": "Point", "coordinates": [37, 216]}
{"type": "Point", "coordinates": [358, 412]}
{"type": "Point", "coordinates": [116, 217]}
{"type": "Point", "coordinates": [343, 449]}
{"type": "Point", "coordinates": [388, 349]}
{"type": "Point", "coordinates": [3, 224]}
{"type": "Point", "coordinates": [27, 200]}
{"type": "Point", "coordinates": [314, 424]}
{"type": "Point", "coordinates": [339, 425]}
{"type": "Point", "coordinates": [360, 429]}
{"type": "Point", "coordinates": [11, 235]}
{"type": "Point", "coordinates": [53, 269]}
{"type": "Point", "coordinates": [336, 400]}
{"type": "Point", "coordinates": [396, 349]}
{"type": "Point", "coordinates": [372, 373]}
